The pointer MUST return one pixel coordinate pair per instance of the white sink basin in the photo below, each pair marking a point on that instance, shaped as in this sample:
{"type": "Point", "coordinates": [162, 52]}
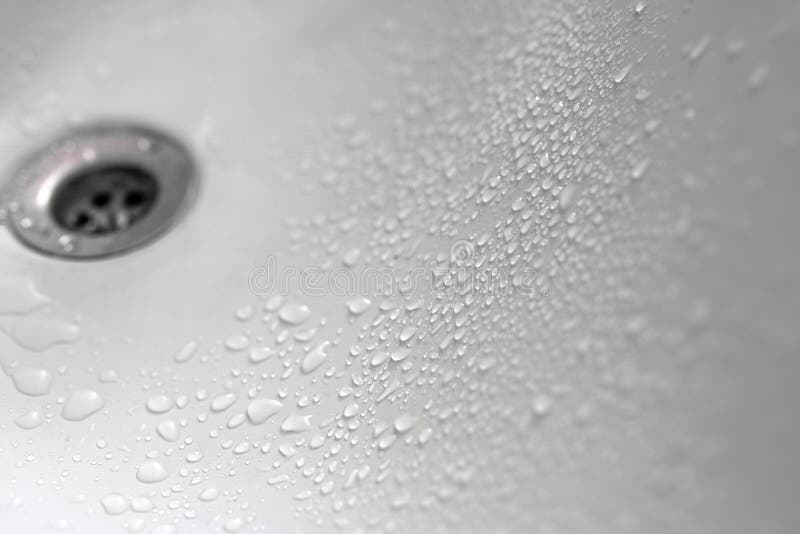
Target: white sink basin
{"type": "Point", "coordinates": [610, 189]}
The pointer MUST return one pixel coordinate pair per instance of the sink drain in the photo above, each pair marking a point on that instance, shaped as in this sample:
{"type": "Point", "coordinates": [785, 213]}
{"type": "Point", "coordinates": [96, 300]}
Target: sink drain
{"type": "Point", "coordinates": [100, 191]}
{"type": "Point", "coordinates": [104, 201]}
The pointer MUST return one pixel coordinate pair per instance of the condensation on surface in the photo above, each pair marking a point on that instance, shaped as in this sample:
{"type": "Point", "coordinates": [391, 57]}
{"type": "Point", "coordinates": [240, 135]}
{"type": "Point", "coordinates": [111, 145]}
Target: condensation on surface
{"type": "Point", "coordinates": [579, 353]}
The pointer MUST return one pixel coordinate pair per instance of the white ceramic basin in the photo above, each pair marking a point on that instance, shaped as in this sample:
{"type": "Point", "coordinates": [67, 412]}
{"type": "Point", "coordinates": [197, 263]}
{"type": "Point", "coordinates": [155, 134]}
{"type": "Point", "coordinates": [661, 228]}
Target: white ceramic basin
{"type": "Point", "coordinates": [609, 186]}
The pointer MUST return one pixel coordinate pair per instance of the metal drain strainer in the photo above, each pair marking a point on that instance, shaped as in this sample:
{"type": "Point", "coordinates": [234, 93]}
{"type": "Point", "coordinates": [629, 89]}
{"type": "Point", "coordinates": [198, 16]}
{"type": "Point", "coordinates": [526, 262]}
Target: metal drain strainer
{"type": "Point", "coordinates": [100, 191]}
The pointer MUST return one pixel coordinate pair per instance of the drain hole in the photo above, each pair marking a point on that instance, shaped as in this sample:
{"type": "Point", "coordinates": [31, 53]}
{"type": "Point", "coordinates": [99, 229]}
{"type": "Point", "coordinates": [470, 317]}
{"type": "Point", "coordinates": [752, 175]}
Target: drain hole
{"type": "Point", "coordinates": [104, 200]}
{"type": "Point", "coordinates": [101, 200]}
{"type": "Point", "coordinates": [100, 190]}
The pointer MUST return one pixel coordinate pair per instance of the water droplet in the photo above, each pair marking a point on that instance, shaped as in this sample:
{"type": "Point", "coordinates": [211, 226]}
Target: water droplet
{"type": "Point", "coordinates": [622, 73]}
{"type": "Point", "coordinates": [640, 169]}
{"type": "Point", "coordinates": [245, 313]}
{"type": "Point", "coordinates": [59, 524]}
{"type": "Point", "coordinates": [567, 196]}
{"type": "Point", "coordinates": [114, 504]}
{"type": "Point", "coordinates": [81, 404]}
{"type": "Point", "coordinates": [294, 313]}
{"type": "Point", "coordinates": [237, 343]}
{"type": "Point", "coordinates": [386, 441]}
{"type": "Point", "coordinates": [19, 296]}
{"type": "Point", "coordinates": [223, 401]}
{"type": "Point", "coordinates": [151, 471]}
{"type": "Point", "coordinates": [159, 404]}
{"type": "Point", "coordinates": [697, 51]}
{"type": "Point", "coordinates": [407, 333]}
{"type": "Point", "coordinates": [425, 436]}
{"type": "Point", "coordinates": [39, 333]}
{"type": "Point", "coordinates": [141, 504]}
{"type": "Point", "coordinates": [542, 405]}
{"type": "Point", "coordinates": [34, 381]}
{"type": "Point", "coordinates": [273, 303]}
{"type": "Point", "coordinates": [315, 358]}
{"type": "Point", "coordinates": [259, 410]}
{"type": "Point", "coordinates": [303, 495]}
{"type": "Point", "coordinates": [208, 494]}
{"type": "Point", "coordinates": [233, 524]}
{"type": "Point", "coordinates": [168, 430]}
{"type": "Point", "coordinates": [108, 376]}
{"type": "Point", "coordinates": [186, 352]}
{"type": "Point", "coordinates": [758, 77]}
{"type": "Point", "coordinates": [29, 420]}
{"type": "Point", "coordinates": [404, 423]}
{"type": "Point", "coordinates": [358, 305]}
{"type": "Point", "coordinates": [351, 257]}
{"type": "Point", "coordinates": [351, 410]}
{"type": "Point", "coordinates": [296, 424]}
{"type": "Point", "coordinates": [259, 354]}
{"type": "Point", "coordinates": [400, 354]}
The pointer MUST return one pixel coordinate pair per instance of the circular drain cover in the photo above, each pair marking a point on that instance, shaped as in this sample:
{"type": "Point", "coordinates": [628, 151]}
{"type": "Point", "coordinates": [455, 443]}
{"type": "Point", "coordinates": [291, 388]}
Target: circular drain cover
{"type": "Point", "coordinates": [100, 190]}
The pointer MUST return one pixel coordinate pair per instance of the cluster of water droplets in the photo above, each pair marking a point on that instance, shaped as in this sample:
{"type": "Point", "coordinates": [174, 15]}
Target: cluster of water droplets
{"type": "Point", "coordinates": [437, 406]}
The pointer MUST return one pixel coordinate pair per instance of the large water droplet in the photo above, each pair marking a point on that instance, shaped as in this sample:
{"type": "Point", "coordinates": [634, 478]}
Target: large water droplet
{"type": "Point", "coordinates": [32, 381]}
{"type": "Point", "coordinates": [315, 358]}
{"type": "Point", "coordinates": [151, 471]}
{"type": "Point", "coordinates": [81, 404]}
{"type": "Point", "coordinates": [29, 420]}
{"type": "Point", "coordinates": [19, 296]}
{"type": "Point", "coordinates": [296, 423]}
{"type": "Point", "coordinates": [39, 333]}
{"type": "Point", "coordinates": [259, 410]}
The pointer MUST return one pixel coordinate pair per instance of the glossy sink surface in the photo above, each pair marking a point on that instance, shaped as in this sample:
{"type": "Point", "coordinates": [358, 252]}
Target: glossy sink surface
{"type": "Point", "coordinates": [474, 267]}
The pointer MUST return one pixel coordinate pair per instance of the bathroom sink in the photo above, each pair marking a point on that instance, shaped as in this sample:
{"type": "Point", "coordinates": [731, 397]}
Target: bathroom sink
{"type": "Point", "coordinates": [489, 267]}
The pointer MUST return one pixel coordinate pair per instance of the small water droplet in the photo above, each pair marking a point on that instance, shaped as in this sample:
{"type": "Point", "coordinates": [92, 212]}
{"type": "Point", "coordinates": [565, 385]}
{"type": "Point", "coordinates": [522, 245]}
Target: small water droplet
{"type": "Point", "coordinates": [622, 73]}
{"type": "Point", "coordinates": [259, 354]}
{"type": "Point", "coordinates": [358, 305]}
{"type": "Point", "coordinates": [404, 423]}
{"type": "Point", "coordinates": [223, 401]}
{"type": "Point", "coordinates": [141, 504]}
{"type": "Point", "coordinates": [208, 494]}
{"type": "Point", "coordinates": [237, 343]}
{"type": "Point", "coordinates": [315, 358]}
{"type": "Point", "coordinates": [114, 504]}
{"type": "Point", "coordinates": [233, 524]}
{"type": "Point", "coordinates": [186, 352]}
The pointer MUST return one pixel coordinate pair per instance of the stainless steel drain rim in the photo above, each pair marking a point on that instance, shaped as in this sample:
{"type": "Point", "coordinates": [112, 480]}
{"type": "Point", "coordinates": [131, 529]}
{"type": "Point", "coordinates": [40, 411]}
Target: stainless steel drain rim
{"type": "Point", "coordinates": [92, 149]}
